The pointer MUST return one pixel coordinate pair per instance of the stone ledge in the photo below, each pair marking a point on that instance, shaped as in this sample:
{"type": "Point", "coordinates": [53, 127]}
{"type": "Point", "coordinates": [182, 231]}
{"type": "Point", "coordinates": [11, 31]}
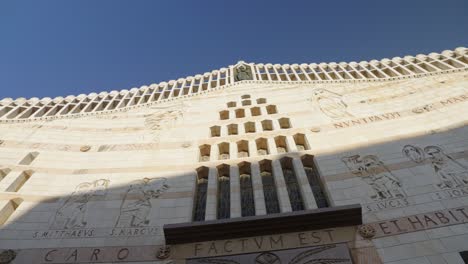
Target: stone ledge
{"type": "Point", "coordinates": [338, 216]}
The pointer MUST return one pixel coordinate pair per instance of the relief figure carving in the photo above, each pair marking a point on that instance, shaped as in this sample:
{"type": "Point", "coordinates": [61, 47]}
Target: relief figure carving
{"type": "Point", "coordinates": [374, 172]}
{"type": "Point", "coordinates": [243, 73]}
{"type": "Point", "coordinates": [163, 119]}
{"type": "Point", "coordinates": [330, 103]}
{"type": "Point", "coordinates": [451, 173]}
{"type": "Point", "coordinates": [72, 213]}
{"type": "Point", "coordinates": [136, 204]}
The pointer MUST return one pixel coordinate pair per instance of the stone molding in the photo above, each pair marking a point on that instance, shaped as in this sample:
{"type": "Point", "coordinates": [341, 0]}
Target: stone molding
{"type": "Point", "coordinates": [34, 109]}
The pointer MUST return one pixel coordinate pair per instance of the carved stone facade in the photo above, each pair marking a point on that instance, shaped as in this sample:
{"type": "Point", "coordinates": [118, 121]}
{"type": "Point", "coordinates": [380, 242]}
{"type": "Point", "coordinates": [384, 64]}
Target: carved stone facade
{"type": "Point", "coordinates": [98, 178]}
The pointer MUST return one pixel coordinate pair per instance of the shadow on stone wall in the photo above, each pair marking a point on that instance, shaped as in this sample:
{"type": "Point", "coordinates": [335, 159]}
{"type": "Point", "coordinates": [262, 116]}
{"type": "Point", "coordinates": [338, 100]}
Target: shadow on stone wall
{"type": "Point", "coordinates": [101, 223]}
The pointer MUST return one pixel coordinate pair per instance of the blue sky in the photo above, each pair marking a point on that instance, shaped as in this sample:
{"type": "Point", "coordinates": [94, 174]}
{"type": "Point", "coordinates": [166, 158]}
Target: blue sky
{"type": "Point", "coordinates": [59, 48]}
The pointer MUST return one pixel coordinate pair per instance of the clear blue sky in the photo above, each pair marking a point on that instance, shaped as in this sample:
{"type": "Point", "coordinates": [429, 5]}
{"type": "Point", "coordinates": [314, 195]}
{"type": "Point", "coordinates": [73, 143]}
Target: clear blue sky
{"type": "Point", "coordinates": [52, 48]}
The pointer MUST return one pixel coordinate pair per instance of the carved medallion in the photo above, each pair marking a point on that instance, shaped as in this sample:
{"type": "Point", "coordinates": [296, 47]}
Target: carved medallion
{"type": "Point", "coordinates": [366, 231]}
{"type": "Point", "coordinates": [6, 256]}
{"type": "Point", "coordinates": [267, 258]}
{"type": "Point", "coordinates": [85, 148]}
{"type": "Point", "coordinates": [315, 129]}
{"type": "Point", "coordinates": [163, 252]}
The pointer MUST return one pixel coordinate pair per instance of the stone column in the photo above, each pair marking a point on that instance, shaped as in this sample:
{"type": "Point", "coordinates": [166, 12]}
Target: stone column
{"type": "Point", "coordinates": [232, 150]}
{"type": "Point", "coordinates": [211, 194]}
{"type": "Point", "coordinates": [306, 191]}
{"type": "Point", "coordinates": [272, 146]}
{"type": "Point", "coordinates": [291, 144]}
{"type": "Point", "coordinates": [235, 191]}
{"type": "Point", "coordinates": [259, 197]}
{"type": "Point", "coordinates": [283, 197]}
{"type": "Point", "coordinates": [253, 152]}
{"type": "Point", "coordinates": [275, 124]}
{"type": "Point", "coordinates": [214, 152]}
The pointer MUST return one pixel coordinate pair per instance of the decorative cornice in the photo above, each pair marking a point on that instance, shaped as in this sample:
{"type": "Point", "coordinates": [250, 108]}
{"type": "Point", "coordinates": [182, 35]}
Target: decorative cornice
{"type": "Point", "coordinates": [35, 109]}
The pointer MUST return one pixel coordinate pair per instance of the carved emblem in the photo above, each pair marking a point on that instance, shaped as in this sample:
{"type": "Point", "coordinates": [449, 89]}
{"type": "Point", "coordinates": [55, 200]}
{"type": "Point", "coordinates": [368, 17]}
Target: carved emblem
{"type": "Point", "coordinates": [163, 252]}
{"type": "Point", "coordinates": [315, 129]}
{"type": "Point", "coordinates": [6, 256]}
{"type": "Point", "coordinates": [366, 231]}
{"type": "Point", "coordinates": [85, 148]}
{"type": "Point", "coordinates": [424, 108]}
{"type": "Point", "coordinates": [186, 144]}
{"type": "Point", "coordinates": [267, 258]}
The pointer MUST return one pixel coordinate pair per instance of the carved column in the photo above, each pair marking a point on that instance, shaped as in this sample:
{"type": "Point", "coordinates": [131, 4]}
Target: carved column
{"type": "Point", "coordinates": [235, 191]}
{"type": "Point", "coordinates": [306, 191]}
{"type": "Point", "coordinates": [257, 185]}
{"type": "Point", "coordinates": [283, 197]}
{"type": "Point", "coordinates": [210, 213]}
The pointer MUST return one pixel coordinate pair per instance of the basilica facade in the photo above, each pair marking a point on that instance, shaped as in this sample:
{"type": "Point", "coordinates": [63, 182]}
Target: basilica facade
{"type": "Point", "coordinates": [352, 163]}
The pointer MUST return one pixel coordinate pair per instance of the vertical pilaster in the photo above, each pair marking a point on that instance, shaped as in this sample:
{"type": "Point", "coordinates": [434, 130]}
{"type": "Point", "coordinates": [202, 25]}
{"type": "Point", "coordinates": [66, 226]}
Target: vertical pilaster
{"type": "Point", "coordinates": [306, 191]}
{"type": "Point", "coordinates": [272, 146]}
{"type": "Point", "coordinates": [259, 197]}
{"type": "Point", "coordinates": [232, 150]}
{"type": "Point", "coordinates": [283, 197]}
{"type": "Point", "coordinates": [253, 152]}
{"type": "Point", "coordinates": [291, 145]}
{"type": "Point", "coordinates": [214, 152]}
{"type": "Point", "coordinates": [211, 194]}
{"type": "Point", "coordinates": [235, 191]}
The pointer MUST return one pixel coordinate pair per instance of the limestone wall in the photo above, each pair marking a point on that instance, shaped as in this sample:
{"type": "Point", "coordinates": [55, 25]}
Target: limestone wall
{"type": "Point", "coordinates": [397, 147]}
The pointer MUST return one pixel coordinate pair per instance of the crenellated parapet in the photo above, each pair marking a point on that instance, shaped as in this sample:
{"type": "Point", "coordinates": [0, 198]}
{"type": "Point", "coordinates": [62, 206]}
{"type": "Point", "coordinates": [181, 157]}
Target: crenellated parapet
{"type": "Point", "coordinates": [23, 110]}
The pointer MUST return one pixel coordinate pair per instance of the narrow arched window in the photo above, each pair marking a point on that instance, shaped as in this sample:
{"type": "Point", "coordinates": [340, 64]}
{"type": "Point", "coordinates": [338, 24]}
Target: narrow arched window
{"type": "Point", "coordinates": [223, 149]}
{"type": "Point", "coordinates": [255, 111]}
{"type": "Point", "coordinates": [269, 187]}
{"type": "Point", "coordinates": [246, 190]}
{"type": "Point", "coordinates": [262, 146]}
{"type": "Point", "coordinates": [292, 185]}
{"type": "Point", "coordinates": [242, 149]}
{"type": "Point", "coordinates": [224, 192]}
{"type": "Point", "coordinates": [267, 125]}
{"type": "Point", "coordinates": [314, 181]}
{"type": "Point", "coordinates": [201, 188]}
{"type": "Point", "coordinates": [301, 142]}
{"type": "Point", "coordinates": [271, 109]}
{"type": "Point", "coordinates": [205, 152]}
{"type": "Point", "coordinates": [4, 173]}
{"type": "Point", "coordinates": [20, 181]}
{"type": "Point", "coordinates": [29, 158]}
{"type": "Point", "coordinates": [281, 146]}
{"type": "Point", "coordinates": [8, 209]}
{"type": "Point", "coordinates": [223, 115]}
